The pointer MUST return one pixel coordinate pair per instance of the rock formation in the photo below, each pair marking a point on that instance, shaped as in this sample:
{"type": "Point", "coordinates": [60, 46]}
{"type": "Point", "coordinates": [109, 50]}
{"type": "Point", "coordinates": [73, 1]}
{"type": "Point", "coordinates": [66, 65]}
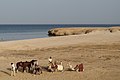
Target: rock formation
{"type": "Point", "coordinates": [81, 30]}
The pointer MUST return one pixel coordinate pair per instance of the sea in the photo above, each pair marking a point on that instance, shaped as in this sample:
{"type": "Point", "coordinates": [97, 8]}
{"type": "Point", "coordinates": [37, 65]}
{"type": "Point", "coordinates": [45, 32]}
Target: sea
{"type": "Point", "coordinates": [10, 32]}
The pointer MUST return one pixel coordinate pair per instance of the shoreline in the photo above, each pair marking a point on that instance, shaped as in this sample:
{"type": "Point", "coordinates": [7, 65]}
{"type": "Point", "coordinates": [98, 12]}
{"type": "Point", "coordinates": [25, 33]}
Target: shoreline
{"type": "Point", "coordinates": [97, 37]}
{"type": "Point", "coordinates": [61, 32]}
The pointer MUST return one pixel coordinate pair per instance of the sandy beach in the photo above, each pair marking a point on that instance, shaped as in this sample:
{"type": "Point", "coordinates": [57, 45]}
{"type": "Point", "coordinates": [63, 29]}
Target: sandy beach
{"type": "Point", "coordinates": [99, 51]}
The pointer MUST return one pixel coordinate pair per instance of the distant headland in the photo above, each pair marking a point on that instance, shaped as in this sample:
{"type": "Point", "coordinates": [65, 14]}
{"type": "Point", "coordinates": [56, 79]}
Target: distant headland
{"type": "Point", "coordinates": [80, 30]}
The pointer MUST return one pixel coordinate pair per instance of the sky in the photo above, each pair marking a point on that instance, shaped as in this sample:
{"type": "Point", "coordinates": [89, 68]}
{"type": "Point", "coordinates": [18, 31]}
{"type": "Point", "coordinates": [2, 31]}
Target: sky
{"type": "Point", "coordinates": [59, 11]}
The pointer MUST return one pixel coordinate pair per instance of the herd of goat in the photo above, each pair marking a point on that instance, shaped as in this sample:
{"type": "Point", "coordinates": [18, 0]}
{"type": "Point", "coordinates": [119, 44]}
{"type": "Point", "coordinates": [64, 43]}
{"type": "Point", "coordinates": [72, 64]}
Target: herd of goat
{"type": "Point", "coordinates": [33, 67]}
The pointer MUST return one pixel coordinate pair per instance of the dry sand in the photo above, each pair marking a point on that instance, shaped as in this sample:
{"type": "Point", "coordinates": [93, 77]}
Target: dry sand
{"type": "Point", "coordinates": [99, 51]}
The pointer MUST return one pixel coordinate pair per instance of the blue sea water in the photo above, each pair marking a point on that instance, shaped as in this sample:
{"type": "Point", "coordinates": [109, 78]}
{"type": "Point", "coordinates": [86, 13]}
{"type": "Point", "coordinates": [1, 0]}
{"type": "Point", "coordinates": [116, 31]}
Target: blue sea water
{"type": "Point", "coordinates": [27, 31]}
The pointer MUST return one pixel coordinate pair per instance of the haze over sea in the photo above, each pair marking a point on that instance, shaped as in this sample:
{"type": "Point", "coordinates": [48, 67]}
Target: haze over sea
{"type": "Point", "coordinates": [30, 31]}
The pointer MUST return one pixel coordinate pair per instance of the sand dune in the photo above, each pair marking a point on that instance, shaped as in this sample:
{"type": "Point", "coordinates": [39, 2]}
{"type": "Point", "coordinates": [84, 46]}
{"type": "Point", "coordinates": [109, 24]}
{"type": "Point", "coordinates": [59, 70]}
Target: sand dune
{"type": "Point", "coordinates": [99, 51]}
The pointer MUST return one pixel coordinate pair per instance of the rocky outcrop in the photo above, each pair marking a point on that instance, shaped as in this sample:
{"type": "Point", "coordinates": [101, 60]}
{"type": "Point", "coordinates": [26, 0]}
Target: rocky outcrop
{"type": "Point", "coordinates": [76, 31]}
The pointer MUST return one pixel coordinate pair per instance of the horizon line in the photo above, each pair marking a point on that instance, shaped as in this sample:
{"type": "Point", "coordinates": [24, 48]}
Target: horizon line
{"type": "Point", "coordinates": [59, 24]}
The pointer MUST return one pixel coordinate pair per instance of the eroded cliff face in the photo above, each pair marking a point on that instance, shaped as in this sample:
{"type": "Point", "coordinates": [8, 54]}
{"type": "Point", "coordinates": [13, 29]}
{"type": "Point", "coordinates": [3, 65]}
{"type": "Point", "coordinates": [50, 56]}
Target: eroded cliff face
{"type": "Point", "coordinates": [77, 31]}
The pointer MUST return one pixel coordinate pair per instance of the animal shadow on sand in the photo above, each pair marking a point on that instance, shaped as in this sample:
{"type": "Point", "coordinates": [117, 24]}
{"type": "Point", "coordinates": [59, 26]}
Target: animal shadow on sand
{"type": "Point", "coordinates": [44, 68]}
{"type": "Point", "coordinates": [5, 72]}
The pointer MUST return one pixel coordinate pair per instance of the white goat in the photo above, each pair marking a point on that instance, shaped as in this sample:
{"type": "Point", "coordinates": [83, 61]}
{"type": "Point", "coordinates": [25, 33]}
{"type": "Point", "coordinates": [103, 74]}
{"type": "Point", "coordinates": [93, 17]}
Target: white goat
{"type": "Point", "coordinates": [60, 67]}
